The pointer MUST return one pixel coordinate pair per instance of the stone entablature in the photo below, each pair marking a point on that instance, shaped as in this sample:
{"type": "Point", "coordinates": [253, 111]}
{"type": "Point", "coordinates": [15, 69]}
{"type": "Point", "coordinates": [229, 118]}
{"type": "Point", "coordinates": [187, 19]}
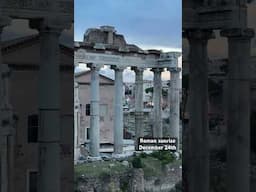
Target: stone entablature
{"type": "Point", "coordinates": [109, 57]}
{"type": "Point", "coordinates": [214, 14]}
{"type": "Point", "coordinates": [37, 8]}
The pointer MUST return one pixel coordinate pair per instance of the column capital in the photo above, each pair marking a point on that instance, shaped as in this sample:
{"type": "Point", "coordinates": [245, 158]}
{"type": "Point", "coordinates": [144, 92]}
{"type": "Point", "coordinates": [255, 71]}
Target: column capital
{"type": "Point", "coordinates": [49, 25]}
{"type": "Point", "coordinates": [94, 66]}
{"type": "Point", "coordinates": [157, 70]}
{"type": "Point", "coordinates": [174, 69]}
{"type": "Point", "coordinates": [4, 21]}
{"type": "Point", "coordinates": [239, 33]}
{"type": "Point", "coordinates": [198, 34]}
{"type": "Point", "coordinates": [118, 68]}
{"type": "Point", "coordinates": [138, 69]}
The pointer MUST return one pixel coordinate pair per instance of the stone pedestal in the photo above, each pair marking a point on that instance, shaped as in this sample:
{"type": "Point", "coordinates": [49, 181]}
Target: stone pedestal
{"type": "Point", "coordinates": [174, 101]}
{"type": "Point", "coordinates": [95, 111]}
{"type": "Point", "coordinates": [139, 120]}
{"type": "Point", "coordinates": [118, 105]}
{"type": "Point", "coordinates": [157, 111]}
{"type": "Point", "coordinates": [198, 133]}
{"type": "Point", "coordinates": [238, 109]}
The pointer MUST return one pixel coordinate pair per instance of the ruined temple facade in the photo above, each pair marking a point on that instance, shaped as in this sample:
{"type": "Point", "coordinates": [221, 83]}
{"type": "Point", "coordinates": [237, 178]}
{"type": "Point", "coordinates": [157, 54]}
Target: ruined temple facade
{"type": "Point", "coordinates": [201, 21]}
{"type": "Point", "coordinates": [105, 47]}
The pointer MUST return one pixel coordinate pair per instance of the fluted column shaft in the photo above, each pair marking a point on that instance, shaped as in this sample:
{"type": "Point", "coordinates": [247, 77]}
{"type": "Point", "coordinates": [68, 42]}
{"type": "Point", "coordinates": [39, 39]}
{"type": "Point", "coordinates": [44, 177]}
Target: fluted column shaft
{"type": "Point", "coordinates": [238, 109]}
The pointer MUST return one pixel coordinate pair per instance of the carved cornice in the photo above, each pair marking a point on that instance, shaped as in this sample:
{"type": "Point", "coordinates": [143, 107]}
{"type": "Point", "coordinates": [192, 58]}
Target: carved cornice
{"type": "Point", "coordinates": [198, 34]}
{"type": "Point", "coordinates": [29, 9]}
{"type": "Point", "coordinates": [214, 14]}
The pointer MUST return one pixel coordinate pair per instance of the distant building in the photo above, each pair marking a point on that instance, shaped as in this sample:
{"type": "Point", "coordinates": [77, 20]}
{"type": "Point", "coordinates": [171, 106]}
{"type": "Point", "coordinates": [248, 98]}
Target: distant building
{"type": "Point", "coordinates": [83, 105]}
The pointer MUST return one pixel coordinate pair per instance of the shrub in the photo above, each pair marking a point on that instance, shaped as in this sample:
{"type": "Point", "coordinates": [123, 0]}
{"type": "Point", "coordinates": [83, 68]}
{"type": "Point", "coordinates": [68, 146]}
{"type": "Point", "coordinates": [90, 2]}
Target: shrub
{"type": "Point", "coordinates": [164, 156]}
{"type": "Point", "coordinates": [136, 162]}
{"type": "Point", "coordinates": [143, 155]}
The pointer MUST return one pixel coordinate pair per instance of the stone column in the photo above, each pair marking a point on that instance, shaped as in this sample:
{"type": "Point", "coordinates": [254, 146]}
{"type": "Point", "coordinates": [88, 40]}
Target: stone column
{"type": "Point", "coordinates": [95, 111]}
{"type": "Point", "coordinates": [174, 101]}
{"type": "Point", "coordinates": [7, 132]}
{"type": "Point", "coordinates": [76, 121]}
{"type": "Point", "coordinates": [49, 105]}
{"type": "Point", "coordinates": [139, 119]}
{"type": "Point", "coordinates": [238, 109]}
{"type": "Point", "coordinates": [198, 133]}
{"type": "Point", "coordinates": [157, 111]}
{"type": "Point", "coordinates": [4, 117]}
{"type": "Point", "coordinates": [118, 117]}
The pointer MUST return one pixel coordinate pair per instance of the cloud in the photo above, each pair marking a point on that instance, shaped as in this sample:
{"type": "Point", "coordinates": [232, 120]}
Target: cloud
{"type": "Point", "coordinates": [143, 22]}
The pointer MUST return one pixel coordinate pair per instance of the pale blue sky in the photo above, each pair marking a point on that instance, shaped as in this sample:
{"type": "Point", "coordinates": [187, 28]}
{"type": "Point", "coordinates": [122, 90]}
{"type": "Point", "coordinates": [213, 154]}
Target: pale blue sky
{"type": "Point", "coordinates": [147, 23]}
{"type": "Point", "coordinates": [150, 24]}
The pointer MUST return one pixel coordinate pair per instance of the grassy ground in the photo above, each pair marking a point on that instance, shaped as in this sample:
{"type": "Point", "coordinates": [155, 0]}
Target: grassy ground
{"type": "Point", "coordinates": [96, 169]}
{"type": "Point", "coordinates": [151, 164]}
{"type": "Point", "coordinates": [151, 167]}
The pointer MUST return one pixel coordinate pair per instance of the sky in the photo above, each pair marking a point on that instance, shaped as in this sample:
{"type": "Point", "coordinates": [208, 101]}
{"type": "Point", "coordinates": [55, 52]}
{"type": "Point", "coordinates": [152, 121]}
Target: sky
{"type": "Point", "coordinates": [150, 24]}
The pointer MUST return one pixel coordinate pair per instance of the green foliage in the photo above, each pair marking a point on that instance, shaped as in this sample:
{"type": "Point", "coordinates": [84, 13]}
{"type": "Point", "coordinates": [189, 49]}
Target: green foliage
{"type": "Point", "coordinates": [164, 93]}
{"type": "Point", "coordinates": [164, 156]}
{"type": "Point", "coordinates": [143, 155]}
{"type": "Point", "coordinates": [151, 90]}
{"type": "Point", "coordinates": [105, 175]}
{"type": "Point", "coordinates": [136, 162]}
{"type": "Point", "coordinates": [95, 169]}
{"type": "Point", "coordinates": [124, 186]}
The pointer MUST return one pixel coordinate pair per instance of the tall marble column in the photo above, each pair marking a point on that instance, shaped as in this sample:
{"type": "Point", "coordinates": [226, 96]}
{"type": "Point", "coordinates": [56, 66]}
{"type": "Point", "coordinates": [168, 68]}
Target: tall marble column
{"type": "Point", "coordinates": [157, 111]}
{"type": "Point", "coordinates": [174, 100]}
{"type": "Point", "coordinates": [139, 119]}
{"type": "Point", "coordinates": [118, 117]}
{"type": "Point", "coordinates": [238, 109]}
{"type": "Point", "coordinates": [4, 115]}
{"type": "Point", "coordinates": [49, 105]}
{"type": "Point", "coordinates": [95, 111]}
{"type": "Point", "coordinates": [198, 133]}
{"type": "Point", "coordinates": [76, 122]}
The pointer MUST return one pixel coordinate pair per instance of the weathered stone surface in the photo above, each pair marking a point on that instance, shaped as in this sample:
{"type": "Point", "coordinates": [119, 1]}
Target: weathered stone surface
{"type": "Point", "coordinates": [137, 181]}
